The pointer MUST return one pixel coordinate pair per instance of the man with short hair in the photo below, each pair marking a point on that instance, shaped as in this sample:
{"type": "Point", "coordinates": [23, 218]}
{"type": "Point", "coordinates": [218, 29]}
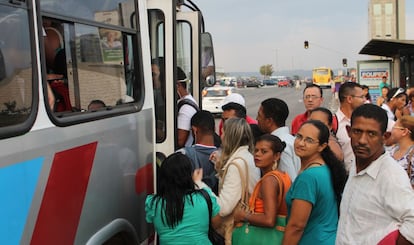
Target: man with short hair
{"type": "Point", "coordinates": [187, 107]}
{"type": "Point", "coordinates": [351, 96]}
{"type": "Point", "coordinates": [377, 201]}
{"type": "Point", "coordinates": [234, 106]}
{"type": "Point", "coordinates": [312, 98]}
{"type": "Point", "coordinates": [383, 83]}
{"type": "Point", "coordinates": [203, 126]}
{"type": "Point", "coordinates": [271, 119]}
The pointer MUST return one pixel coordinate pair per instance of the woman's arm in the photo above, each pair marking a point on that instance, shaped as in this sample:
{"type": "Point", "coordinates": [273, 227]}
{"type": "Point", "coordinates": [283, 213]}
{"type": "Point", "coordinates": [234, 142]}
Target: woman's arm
{"type": "Point", "coordinates": [298, 219]}
{"type": "Point", "coordinates": [269, 191]}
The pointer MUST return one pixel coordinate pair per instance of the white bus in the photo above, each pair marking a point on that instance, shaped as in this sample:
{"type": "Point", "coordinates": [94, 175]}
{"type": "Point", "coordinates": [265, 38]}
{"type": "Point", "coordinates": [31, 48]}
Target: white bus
{"type": "Point", "coordinates": [71, 173]}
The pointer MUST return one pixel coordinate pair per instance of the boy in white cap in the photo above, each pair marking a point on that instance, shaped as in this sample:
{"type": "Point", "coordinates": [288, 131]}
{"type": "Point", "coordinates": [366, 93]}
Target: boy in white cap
{"type": "Point", "coordinates": [234, 106]}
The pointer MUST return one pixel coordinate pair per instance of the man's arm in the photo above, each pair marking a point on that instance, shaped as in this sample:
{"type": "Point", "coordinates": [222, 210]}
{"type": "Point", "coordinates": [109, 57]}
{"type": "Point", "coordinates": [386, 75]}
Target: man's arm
{"type": "Point", "coordinates": [182, 136]}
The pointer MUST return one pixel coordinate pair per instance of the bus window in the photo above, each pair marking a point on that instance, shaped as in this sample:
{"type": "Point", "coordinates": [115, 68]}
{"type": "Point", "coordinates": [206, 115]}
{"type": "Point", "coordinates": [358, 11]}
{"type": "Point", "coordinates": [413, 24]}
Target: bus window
{"type": "Point", "coordinates": [99, 64]}
{"type": "Point", "coordinates": [16, 83]}
{"type": "Point", "coordinates": [104, 11]}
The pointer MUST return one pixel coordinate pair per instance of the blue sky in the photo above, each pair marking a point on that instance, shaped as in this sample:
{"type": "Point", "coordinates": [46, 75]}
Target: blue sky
{"type": "Point", "coordinates": [248, 34]}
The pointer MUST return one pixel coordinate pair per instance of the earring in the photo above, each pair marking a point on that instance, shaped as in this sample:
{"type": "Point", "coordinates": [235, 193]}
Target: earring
{"type": "Point", "coordinates": [275, 165]}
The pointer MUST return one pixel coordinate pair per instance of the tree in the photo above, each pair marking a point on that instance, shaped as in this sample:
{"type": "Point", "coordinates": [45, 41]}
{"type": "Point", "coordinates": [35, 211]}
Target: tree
{"type": "Point", "coordinates": [266, 70]}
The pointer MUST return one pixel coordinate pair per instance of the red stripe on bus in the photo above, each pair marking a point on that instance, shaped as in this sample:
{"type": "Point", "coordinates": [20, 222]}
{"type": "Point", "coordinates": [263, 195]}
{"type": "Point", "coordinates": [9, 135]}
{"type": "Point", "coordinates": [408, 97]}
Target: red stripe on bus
{"type": "Point", "coordinates": [62, 202]}
{"type": "Point", "coordinates": [144, 179]}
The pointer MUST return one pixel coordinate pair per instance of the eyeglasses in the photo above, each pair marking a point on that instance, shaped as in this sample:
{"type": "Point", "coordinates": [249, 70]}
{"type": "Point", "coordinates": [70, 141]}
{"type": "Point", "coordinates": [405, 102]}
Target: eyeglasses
{"type": "Point", "coordinates": [307, 140]}
{"type": "Point", "coordinates": [401, 128]}
{"type": "Point", "coordinates": [314, 97]}
{"type": "Point", "coordinates": [361, 96]}
{"type": "Point", "coordinates": [398, 92]}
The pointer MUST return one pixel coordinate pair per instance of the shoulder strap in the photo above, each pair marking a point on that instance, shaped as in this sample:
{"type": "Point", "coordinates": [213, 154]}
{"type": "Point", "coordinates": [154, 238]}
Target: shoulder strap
{"type": "Point", "coordinates": [255, 193]}
{"type": "Point", "coordinates": [209, 204]}
{"type": "Point", "coordinates": [244, 178]}
{"type": "Point", "coordinates": [188, 102]}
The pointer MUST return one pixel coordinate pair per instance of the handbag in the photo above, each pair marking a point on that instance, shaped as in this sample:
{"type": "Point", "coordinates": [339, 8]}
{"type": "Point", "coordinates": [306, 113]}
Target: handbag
{"type": "Point", "coordinates": [227, 225]}
{"type": "Point", "coordinates": [250, 234]}
{"type": "Point", "coordinates": [214, 237]}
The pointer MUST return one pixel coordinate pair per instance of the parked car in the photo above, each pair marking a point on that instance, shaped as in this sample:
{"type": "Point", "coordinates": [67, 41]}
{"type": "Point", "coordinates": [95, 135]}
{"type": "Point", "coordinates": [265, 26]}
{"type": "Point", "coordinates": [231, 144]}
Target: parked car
{"type": "Point", "coordinates": [254, 83]}
{"type": "Point", "coordinates": [213, 98]}
{"type": "Point", "coordinates": [284, 83]}
{"type": "Point", "coordinates": [269, 82]}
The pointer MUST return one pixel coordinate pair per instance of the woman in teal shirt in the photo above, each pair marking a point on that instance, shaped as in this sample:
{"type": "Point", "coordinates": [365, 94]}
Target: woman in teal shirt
{"type": "Point", "coordinates": [314, 196]}
{"type": "Point", "coordinates": [178, 211]}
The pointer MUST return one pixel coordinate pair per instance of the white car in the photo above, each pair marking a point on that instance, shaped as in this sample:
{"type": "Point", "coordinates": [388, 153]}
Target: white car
{"type": "Point", "coordinates": [213, 98]}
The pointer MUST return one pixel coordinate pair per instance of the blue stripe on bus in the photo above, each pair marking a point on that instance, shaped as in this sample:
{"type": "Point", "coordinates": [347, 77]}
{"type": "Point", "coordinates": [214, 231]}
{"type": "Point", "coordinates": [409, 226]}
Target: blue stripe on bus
{"type": "Point", "coordinates": [17, 187]}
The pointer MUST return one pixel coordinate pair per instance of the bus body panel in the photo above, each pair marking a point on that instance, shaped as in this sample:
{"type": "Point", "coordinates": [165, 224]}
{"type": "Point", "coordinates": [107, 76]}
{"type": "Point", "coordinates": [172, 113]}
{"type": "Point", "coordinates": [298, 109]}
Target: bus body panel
{"type": "Point", "coordinates": [118, 148]}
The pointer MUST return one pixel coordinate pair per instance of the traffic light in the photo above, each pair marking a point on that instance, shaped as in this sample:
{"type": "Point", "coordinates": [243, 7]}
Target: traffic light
{"type": "Point", "coordinates": [344, 62]}
{"type": "Point", "coordinates": [306, 44]}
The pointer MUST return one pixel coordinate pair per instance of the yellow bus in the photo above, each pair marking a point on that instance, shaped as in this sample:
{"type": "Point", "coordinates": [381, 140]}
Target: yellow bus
{"type": "Point", "coordinates": [322, 76]}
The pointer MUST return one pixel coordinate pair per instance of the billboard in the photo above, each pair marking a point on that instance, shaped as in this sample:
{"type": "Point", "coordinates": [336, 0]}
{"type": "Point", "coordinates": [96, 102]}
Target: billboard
{"type": "Point", "coordinates": [370, 72]}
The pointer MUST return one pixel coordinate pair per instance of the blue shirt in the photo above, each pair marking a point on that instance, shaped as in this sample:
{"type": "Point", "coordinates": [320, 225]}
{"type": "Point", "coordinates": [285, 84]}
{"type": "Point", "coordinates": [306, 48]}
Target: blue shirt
{"type": "Point", "coordinates": [193, 228]}
{"type": "Point", "coordinates": [314, 185]}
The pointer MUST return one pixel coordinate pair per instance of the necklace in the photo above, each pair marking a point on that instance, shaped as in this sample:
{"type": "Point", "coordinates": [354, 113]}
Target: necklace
{"type": "Point", "coordinates": [310, 164]}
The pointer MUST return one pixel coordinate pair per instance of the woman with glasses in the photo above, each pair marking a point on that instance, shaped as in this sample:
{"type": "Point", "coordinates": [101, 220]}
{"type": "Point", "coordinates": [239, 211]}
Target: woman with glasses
{"type": "Point", "coordinates": [403, 151]}
{"type": "Point", "coordinates": [397, 100]}
{"type": "Point", "coordinates": [314, 197]}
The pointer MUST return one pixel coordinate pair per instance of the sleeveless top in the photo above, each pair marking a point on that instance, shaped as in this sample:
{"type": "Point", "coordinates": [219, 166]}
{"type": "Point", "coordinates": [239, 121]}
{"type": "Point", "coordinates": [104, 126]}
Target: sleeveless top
{"type": "Point", "coordinates": [256, 204]}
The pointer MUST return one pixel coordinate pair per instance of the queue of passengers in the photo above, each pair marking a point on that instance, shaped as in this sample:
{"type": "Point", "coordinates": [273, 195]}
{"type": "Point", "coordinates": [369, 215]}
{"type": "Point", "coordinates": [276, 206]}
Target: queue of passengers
{"type": "Point", "coordinates": [329, 180]}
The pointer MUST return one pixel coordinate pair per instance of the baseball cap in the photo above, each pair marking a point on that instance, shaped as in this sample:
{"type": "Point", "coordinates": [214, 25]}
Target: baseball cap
{"type": "Point", "coordinates": [233, 98]}
{"type": "Point", "coordinates": [181, 77]}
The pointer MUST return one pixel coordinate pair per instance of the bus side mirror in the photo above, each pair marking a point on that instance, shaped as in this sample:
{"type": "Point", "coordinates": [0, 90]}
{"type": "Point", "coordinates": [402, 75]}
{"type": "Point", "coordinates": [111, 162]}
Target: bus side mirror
{"type": "Point", "coordinates": [210, 81]}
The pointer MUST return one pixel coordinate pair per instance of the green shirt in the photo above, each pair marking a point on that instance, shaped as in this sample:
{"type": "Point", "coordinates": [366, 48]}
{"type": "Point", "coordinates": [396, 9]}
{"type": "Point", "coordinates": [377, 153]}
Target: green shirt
{"type": "Point", "coordinates": [314, 185]}
{"type": "Point", "coordinates": [193, 228]}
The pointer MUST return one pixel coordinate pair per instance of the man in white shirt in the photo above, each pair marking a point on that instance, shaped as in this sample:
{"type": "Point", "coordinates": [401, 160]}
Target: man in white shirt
{"type": "Point", "coordinates": [378, 197]}
{"type": "Point", "coordinates": [271, 119]}
{"type": "Point", "coordinates": [351, 96]}
{"type": "Point", "coordinates": [187, 107]}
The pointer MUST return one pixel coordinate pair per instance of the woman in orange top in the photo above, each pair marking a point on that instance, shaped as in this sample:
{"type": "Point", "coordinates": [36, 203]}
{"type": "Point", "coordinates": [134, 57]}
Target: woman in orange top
{"type": "Point", "coordinates": [267, 205]}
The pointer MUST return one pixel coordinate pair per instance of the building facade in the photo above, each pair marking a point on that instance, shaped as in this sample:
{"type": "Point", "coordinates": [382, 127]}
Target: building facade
{"type": "Point", "coordinates": [387, 19]}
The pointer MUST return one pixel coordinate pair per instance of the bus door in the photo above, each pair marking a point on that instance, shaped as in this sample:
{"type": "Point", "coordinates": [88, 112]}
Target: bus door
{"type": "Point", "coordinates": [188, 46]}
{"type": "Point", "coordinates": [161, 21]}
{"type": "Point", "coordinates": [175, 42]}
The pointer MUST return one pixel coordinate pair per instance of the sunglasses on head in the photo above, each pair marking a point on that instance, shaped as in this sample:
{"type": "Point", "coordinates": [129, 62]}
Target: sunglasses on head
{"type": "Point", "coordinates": [398, 92]}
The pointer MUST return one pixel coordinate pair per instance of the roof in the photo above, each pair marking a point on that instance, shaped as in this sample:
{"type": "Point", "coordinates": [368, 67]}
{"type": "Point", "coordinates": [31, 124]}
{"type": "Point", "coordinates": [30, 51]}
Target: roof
{"type": "Point", "coordinates": [386, 47]}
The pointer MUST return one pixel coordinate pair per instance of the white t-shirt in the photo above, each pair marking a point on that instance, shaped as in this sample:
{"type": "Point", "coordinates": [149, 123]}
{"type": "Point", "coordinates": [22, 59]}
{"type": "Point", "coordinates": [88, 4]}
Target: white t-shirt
{"type": "Point", "coordinates": [185, 114]}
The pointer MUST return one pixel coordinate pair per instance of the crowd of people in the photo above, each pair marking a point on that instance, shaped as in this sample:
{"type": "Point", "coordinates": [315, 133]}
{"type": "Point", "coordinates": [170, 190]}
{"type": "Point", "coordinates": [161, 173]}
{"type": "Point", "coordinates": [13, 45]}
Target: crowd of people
{"type": "Point", "coordinates": [335, 178]}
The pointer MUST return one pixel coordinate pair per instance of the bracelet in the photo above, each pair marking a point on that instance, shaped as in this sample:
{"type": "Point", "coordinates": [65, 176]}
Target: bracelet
{"type": "Point", "coordinates": [246, 217]}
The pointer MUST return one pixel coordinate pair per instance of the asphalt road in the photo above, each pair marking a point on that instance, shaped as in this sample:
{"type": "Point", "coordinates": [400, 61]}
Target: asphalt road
{"type": "Point", "coordinates": [292, 97]}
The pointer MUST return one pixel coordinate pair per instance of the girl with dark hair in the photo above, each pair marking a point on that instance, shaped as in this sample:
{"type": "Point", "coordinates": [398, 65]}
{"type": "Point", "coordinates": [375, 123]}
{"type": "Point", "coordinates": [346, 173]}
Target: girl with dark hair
{"type": "Point", "coordinates": [267, 204]}
{"type": "Point", "coordinates": [325, 116]}
{"type": "Point", "coordinates": [178, 211]}
{"type": "Point", "coordinates": [397, 100]}
{"type": "Point", "coordinates": [314, 197]}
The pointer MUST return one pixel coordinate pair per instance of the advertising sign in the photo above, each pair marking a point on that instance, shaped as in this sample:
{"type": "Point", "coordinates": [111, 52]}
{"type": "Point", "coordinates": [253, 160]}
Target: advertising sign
{"type": "Point", "coordinates": [370, 72]}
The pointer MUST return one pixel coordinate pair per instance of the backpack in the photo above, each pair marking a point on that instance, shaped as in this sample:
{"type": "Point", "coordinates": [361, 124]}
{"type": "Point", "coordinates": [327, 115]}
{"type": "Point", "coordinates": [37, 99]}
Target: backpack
{"type": "Point", "coordinates": [210, 179]}
{"type": "Point", "coordinates": [187, 102]}
{"type": "Point", "coordinates": [217, 139]}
